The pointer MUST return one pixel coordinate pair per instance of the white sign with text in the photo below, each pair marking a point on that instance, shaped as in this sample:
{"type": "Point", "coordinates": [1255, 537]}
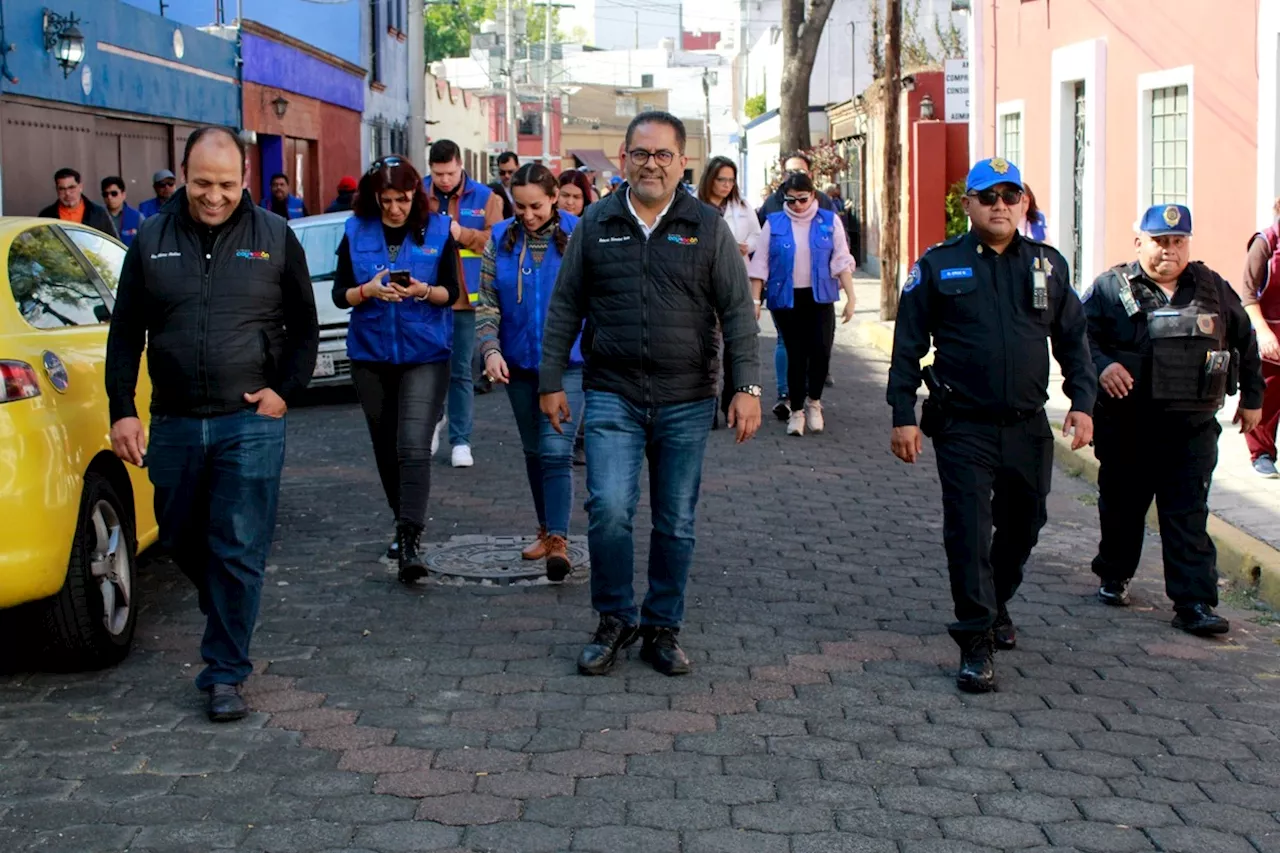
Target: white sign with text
{"type": "Point", "coordinates": [956, 80]}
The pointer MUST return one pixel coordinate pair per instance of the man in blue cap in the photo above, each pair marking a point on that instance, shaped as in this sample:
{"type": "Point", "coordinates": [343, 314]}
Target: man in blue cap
{"type": "Point", "coordinates": [1170, 340]}
{"type": "Point", "coordinates": [989, 300]}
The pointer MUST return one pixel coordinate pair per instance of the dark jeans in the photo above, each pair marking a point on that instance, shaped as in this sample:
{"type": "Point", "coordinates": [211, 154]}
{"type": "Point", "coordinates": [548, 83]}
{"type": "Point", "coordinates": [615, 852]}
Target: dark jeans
{"type": "Point", "coordinates": [402, 403]}
{"type": "Point", "coordinates": [217, 482]}
{"type": "Point", "coordinates": [1139, 462]}
{"type": "Point", "coordinates": [991, 475]}
{"type": "Point", "coordinates": [620, 436]}
{"type": "Point", "coordinates": [808, 331]}
{"type": "Point", "coordinates": [548, 455]}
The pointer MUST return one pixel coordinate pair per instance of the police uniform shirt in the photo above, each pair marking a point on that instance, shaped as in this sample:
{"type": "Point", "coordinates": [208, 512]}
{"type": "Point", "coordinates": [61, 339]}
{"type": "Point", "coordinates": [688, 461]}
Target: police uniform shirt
{"type": "Point", "coordinates": [1116, 334]}
{"type": "Point", "coordinates": [992, 345]}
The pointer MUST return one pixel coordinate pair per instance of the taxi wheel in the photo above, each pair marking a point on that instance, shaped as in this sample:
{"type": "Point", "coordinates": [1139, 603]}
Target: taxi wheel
{"type": "Point", "coordinates": [91, 621]}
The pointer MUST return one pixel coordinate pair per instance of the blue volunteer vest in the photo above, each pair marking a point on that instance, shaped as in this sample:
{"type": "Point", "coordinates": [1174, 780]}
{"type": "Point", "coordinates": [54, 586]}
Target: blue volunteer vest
{"type": "Point", "coordinates": [407, 332]}
{"type": "Point", "coordinates": [150, 207]}
{"type": "Point", "coordinates": [471, 204]}
{"type": "Point", "coordinates": [130, 219]}
{"type": "Point", "coordinates": [782, 259]}
{"type": "Point", "coordinates": [294, 203]}
{"type": "Point", "coordinates": [524, 290]}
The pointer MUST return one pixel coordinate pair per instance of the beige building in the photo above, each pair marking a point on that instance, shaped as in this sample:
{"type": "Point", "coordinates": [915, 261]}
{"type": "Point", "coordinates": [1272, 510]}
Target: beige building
{"type": "Point", "coordinates": [462, 116]}
{"type": "Point", "coordinates": [595, 126]}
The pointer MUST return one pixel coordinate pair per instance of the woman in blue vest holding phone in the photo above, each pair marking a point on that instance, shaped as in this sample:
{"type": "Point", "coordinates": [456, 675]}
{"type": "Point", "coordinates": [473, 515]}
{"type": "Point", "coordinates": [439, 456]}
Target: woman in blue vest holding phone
{"type": "Point", "coordinates": [803, 258]}
{"type": "Point", "coordinates": [397, 271]}
{"type": "Point", "coordinates": [517, 274]}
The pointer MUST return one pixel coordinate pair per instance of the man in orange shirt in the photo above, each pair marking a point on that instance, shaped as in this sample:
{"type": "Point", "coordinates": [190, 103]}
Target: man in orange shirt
{"type": "Point", "coordinates": [72, 206]}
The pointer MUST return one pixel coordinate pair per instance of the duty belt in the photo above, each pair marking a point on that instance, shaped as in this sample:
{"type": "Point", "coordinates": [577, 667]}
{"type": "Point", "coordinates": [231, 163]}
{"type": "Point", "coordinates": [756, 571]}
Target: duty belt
{"type": "Point", "coordinates": [1002, 418]}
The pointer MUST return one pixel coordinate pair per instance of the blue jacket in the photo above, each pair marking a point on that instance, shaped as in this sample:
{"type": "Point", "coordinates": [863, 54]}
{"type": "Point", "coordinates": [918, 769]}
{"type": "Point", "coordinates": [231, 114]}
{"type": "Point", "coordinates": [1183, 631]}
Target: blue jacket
{"type": "Point", "coordinates": [472, 198]}
{"type": "Point", "coordinates": [296, 210]}
{"type": "Point", "coordinates": [782, 260]}
{"type": "Point", "coordinates": [524, 290]}
{"type": "Point", "coordinates": [130, 219]}
{"type": "Point", "coordinates": [151, 206]}
{"type": "Point", "coordinates": [407, 332]}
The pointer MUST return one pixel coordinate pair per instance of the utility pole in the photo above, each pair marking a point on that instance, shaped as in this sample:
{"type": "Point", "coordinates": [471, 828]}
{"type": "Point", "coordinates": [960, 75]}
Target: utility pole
{"type": "Point", "coordinates": [417, 136]}
{"type": "Point", "coordinates": [890, 234]}
{"type": "Point", "coordinates": [548, 6]}
{"type": "Point", "coordinates": [706, 124]}
{"type": "Point", "coordinates": [513, 135]}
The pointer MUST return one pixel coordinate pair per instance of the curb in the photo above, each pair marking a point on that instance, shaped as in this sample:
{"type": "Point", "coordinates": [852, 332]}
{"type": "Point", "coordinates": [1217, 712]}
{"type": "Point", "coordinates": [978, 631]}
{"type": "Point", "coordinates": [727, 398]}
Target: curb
{"type": "Point", "coordinates": [1243, 558]}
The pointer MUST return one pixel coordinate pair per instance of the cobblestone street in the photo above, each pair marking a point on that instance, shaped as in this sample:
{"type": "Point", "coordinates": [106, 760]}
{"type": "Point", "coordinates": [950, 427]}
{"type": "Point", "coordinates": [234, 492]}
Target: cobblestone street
{"type": "Point", "coordinates": [821, 716]}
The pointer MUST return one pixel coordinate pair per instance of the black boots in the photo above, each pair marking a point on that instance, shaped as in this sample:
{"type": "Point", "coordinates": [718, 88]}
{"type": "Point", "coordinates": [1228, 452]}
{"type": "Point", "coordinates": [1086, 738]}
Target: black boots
{"type": "Point", "coordinates": [611, 637]}
{"type": "Point", "coordinates": [409, 538]}
{"type": "Point", "coordinates": [1114, 593]}
{"type": "Point", "coordinates": [1003, 633]}
{"type": "Point", "coordinates": [226, 704]}
{"type": "Point", "coordinates": [1199, 619]}
{"type": "Point", "coordinates": [662, 652]}
{"type": "Point", "coordinates": [977, 668]}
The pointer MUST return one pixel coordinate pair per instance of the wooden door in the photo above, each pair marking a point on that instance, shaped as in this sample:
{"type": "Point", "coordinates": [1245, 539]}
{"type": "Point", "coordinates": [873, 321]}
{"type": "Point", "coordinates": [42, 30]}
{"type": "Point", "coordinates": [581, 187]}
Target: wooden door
{"type": "Point", "coordinates": [37, 142]}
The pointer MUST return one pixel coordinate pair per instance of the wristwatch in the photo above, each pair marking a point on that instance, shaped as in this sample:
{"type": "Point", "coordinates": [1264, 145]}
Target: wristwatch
{"type": "Point", "coordinates": [753, 390]}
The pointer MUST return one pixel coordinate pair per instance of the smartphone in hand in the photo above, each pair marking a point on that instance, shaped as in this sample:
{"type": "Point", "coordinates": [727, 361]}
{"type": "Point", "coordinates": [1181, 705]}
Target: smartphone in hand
{"type": "Point", "coordinates": [399, 277]}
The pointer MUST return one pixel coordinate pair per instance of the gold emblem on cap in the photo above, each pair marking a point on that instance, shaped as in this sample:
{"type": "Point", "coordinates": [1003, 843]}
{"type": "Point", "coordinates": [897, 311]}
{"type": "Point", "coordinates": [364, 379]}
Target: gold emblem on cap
{"type": "Point", "coordinates": [999, 165]}
{"type": "Point", "coordinates": [1172, 215]}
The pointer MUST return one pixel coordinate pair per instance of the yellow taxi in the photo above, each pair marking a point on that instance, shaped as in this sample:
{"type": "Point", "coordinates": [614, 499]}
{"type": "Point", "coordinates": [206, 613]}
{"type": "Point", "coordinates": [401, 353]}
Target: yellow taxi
{"type": "Point", "coordinates": [74, 516]}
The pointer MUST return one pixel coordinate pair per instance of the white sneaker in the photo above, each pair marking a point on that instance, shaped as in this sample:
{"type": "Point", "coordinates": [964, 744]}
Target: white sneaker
{"type": "Point", "coordinates": [462, 457]}
{"type": "Point", "coordinates": [813, 416]}
{"type": "Point", "coordinates": [441, 426]}
{"type": "Point", "coordinates": [795, 424]}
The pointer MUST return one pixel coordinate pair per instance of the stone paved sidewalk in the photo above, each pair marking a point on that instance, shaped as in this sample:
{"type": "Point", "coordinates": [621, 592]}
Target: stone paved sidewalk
{"type": "Point", "coordinates": [821, 715]}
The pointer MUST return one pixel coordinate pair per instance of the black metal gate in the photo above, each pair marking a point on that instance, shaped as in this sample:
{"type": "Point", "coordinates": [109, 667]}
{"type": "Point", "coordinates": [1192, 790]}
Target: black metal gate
{"type": "Point", "coordinates": [1077, 188]}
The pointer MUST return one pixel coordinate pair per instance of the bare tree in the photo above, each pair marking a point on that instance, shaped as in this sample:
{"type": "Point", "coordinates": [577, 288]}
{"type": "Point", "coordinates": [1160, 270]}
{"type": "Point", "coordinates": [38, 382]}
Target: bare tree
{"type": "Point", "coordinates": [801, 32]}
{"type": "Point", "coordinates": [889, 225]}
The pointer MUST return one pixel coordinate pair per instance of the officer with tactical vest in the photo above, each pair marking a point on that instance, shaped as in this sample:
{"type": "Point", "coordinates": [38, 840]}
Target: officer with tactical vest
{"type": "Point", "coordinates": [474, 209]}
{"type": "Point", "coordinates": [989, 300]}
{"type": "Point", "coordinates": [1169, 339]}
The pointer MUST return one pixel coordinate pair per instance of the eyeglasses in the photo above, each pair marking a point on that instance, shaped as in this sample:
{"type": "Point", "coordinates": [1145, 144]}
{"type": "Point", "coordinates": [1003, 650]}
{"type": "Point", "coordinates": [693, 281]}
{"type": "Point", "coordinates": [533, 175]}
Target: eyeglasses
{"type": "Point", "coordinates": [641, 157]}
{"type": "Point", "coordinates": [986, 198]}
{"type": "Point", "coordinates": [111, 193]}
{"type": "Point", "coordinates": [802, 199]}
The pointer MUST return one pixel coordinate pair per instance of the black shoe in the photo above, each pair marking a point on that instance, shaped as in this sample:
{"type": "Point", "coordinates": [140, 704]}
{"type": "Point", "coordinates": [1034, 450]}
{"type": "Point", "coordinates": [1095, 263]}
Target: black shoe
{"type": "Point", "coordinates": [662, 652]}
{"type": "Point", "coordinates": [1199, 619]}
{"type": "Point", "coordinates": [412, 568]}
{"type": "Point", "coordinates": [393, 550]}
{"type": "Point", "coordinates": [829, 382]}
{"type": "Point", "coordinates": [226, 704]}
{"type": "Point", "coordinates": [1114, 593]}
{"type": "Point", "coordinates": [611, 637]}
{"type": "Point", "coordinates": [579, 453]}
{"type": "Point", "coordinates": [977, 668]}
{"type": "Point", "coordinates": [782, 409]}
{"type": "Point", "coordinates": [1004, 635]}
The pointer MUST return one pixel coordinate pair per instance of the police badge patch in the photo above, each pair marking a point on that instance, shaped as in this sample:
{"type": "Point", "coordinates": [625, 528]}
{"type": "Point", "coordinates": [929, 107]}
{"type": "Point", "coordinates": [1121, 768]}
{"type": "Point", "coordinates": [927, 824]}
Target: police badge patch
{"type": "Point", "coordinates": [913, 278]}
{"type": "Point", "coordinates": [1204, 322]}
{"type": "Point", "coordinates": [1172, 215]}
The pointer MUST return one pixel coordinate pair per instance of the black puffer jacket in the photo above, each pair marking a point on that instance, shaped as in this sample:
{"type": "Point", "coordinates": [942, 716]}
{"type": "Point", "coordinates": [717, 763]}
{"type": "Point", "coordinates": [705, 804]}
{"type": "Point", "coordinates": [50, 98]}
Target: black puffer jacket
{"type": "Point", "coordinates": [223, 312]}
{"type": "Point", "coordinates": [651, 305]}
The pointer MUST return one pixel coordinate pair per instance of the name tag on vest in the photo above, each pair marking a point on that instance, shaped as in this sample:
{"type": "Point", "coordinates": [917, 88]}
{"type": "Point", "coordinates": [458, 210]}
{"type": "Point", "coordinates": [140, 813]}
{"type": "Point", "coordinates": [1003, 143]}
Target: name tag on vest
{"type": "Point", "coordinates": [956, 272]}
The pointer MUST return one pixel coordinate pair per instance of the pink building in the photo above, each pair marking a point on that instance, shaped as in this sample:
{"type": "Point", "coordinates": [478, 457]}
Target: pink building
{"type": "Point", "coordinates": [1110, 107]}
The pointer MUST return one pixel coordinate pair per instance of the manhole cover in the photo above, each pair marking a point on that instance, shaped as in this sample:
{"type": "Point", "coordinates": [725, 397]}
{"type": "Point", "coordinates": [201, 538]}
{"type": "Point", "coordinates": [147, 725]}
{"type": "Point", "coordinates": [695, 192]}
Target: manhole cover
{"type": "Point", "coordinates": [497, 560]}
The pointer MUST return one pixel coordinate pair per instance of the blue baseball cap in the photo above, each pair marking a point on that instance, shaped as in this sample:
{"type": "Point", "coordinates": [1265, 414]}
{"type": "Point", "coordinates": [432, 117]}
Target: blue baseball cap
{"type": "Point", "coordinates": [991, 172]}
{"type": "Point", "coordinates": [1163, 219]}
{"type": "Point", "coordinates": [615, 180]}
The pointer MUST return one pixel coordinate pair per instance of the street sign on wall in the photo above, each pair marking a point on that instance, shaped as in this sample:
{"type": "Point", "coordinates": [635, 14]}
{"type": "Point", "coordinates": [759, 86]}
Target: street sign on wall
{"type": "Point", "coordinates": [956, 80]}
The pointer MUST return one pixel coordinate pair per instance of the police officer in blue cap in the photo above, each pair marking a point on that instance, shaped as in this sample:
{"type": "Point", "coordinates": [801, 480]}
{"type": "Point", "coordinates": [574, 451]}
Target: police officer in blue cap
{"type": "Point", "coordinates": [990, 301]}
{"type": "Point", "coordinates": [1169, 339]}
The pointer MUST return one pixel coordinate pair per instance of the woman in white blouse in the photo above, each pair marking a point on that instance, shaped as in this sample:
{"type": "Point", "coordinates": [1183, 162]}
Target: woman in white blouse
{"type": "Point", "coordinates": [719, 188]}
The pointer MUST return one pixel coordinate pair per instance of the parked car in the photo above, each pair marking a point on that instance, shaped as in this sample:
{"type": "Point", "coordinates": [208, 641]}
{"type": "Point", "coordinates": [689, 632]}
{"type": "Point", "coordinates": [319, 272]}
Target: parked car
{"type": "Point", "coordinates": [320, 236]}
{"type": "Point", "coordinates": [74, 516]}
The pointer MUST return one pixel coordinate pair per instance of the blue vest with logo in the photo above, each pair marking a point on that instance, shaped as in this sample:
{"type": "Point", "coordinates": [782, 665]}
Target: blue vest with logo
{"type": "Point", "coordinates": [294, 203]}
{"type": "Point", "coordinates": [150, 207]}
{"type": "Point", "coordinates": [406, 332]}
{"type": "Point", "coordinates": [472, 200]}
{"type": "Point", "coordinates": [782, 260]}
{"type": "Point", "coordinates": [130, 219]}
{"type": "Point", "coordinates": [524, 290]}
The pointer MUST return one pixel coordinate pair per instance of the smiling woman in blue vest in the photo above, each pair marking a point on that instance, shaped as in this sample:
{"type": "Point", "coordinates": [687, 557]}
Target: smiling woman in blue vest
{"type": "Point", "coordinates": [804, 258]}
{"type": "Point", "coordinates": [397, 271]}
{"type": "Point", "coordinates": [517, 275]}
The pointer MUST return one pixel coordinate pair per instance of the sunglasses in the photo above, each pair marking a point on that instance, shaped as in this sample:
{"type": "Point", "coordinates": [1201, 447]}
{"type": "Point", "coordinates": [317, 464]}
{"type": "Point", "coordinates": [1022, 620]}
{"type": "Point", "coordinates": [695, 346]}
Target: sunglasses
{"type": "Point", "coordinates": [792, 199]}
{"type": "Point", "coordinates": [385, 163]}
{"type": "Point", "coordinates": [986, 198]}
{"type": "Point", "coordinates": [506, 172]}
{"type": "Point", "coordinates": [111, 193]}
{"type": "Point", "coordinates": [167, 184]}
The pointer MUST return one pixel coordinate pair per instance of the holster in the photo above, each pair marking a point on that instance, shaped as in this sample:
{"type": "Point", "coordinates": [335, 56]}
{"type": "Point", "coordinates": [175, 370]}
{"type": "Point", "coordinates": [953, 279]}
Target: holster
{"type": "Point", "coordinates": [933, 416]}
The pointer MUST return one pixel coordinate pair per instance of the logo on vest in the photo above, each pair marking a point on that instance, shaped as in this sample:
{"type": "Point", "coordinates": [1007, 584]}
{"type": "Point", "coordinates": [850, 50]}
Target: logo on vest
{"type": "Point", "coordinates": [1204, 322]}
{"type": "Point", "coordinates": [477, 211]}
{"type": "Point", "coordinates": [957, 272]}
{"type": "Point", "coordinates": [624, 238]}
{"type": "Point", "coordinates": [253, 256]}
{"type": "Point", "coordinates": [430, 250]}
{"type": "Point", "coordinates": [682, 241]}
{"type": "Point", "coordinates": [159, 255]}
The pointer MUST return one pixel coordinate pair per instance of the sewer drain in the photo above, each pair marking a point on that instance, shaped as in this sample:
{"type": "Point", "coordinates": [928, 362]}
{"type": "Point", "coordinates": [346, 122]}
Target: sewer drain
{"type": "Point", "coordinates": [497, 560]}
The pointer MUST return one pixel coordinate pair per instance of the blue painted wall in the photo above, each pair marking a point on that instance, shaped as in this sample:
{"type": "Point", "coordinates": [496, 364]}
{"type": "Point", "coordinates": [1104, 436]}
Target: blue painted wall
{"type": "Point", "coordinates": [331, 27]}
{"type": "Point", "coordinates": [284, 67]}
{"type": "Point", "coordinates": [121, 82]}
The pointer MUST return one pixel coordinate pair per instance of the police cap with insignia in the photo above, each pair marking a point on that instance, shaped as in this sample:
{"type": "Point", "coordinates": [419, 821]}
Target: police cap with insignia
{"type": "Point", "coordinates": [992, 172]}
{"type": "Point", "coordinates": [1161, 220]}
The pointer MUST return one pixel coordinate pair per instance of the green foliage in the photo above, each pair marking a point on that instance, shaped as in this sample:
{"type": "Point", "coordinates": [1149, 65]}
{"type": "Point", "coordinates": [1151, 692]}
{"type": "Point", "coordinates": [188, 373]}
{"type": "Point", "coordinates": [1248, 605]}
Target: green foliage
{"type": "Point", "coordinates": [754, 107]}
{"type": "Point", "coordinates": [450, 25]}
{"type": "Point", "coordinates": [920, 49]}
{"type": "Point", "coordinates": [957, 222]}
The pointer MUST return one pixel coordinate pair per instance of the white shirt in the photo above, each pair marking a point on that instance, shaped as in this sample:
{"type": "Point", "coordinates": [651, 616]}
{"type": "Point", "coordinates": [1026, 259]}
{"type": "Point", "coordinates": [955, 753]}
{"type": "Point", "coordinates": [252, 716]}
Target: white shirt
{"type": "Point", "coordinates": [649, 229]}
{"type": "Point", "coordinates": [743, 223]}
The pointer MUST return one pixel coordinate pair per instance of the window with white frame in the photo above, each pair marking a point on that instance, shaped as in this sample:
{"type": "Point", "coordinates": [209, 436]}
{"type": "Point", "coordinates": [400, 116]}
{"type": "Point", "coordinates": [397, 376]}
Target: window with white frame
{"type": "Point", "coordinates": [1011, 137]}
{"type": "Point", "coordinates": [1169, 117]}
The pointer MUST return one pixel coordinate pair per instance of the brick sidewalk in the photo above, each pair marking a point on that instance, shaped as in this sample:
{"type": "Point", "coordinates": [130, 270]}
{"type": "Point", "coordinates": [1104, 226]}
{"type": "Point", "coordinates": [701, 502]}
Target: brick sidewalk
{"type": "Point", "coordinates": [821, 715]}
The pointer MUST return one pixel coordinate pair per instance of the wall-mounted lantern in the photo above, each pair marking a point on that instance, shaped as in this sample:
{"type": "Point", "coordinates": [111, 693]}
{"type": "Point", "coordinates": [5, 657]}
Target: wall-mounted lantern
{"type": "Point", "coordinates": [281, 106]}
{"type": "Point", "coordinates": [926, 107]}
{"type": "Point", "coordinates": [62, 38]}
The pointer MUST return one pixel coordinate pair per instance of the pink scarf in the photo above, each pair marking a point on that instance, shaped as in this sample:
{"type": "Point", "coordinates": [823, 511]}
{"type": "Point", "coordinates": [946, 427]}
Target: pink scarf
{"type": "Point", "coordinates": [802, 272]}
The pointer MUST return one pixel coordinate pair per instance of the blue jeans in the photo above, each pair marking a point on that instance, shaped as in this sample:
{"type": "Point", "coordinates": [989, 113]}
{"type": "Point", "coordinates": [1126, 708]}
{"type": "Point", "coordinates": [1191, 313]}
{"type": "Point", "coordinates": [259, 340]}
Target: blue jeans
{"type": "Point", "coordinates": [217, 483]}
{"type": "Point", "coordinates": [780, 361]}
{"type": "Point", "coordinates": [548, 455]}
{"type": "Point", "coordinates": [620, 436]}
{"type": "Point", "coordinates": [462, 392]}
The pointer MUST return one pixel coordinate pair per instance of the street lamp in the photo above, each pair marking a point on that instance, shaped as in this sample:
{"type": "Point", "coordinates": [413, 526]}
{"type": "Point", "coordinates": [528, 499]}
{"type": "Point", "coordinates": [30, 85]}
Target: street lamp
{"type": "Point", "coordinates": [62, 38]}
{"type": "Point", "coordinates": [281, 106]}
